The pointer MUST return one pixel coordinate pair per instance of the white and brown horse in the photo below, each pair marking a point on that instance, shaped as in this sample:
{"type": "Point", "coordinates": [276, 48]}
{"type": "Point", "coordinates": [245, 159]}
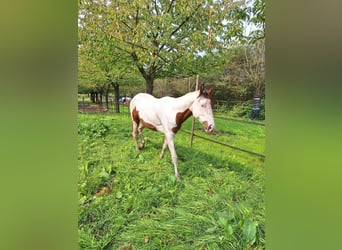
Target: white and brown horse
{"type": "Point", "coordinates": [167, 115]}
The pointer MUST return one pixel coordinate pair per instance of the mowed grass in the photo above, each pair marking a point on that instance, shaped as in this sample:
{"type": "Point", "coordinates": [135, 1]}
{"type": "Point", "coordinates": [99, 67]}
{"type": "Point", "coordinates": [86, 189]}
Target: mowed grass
{"type": "Point", "coordinates": [130, 200]}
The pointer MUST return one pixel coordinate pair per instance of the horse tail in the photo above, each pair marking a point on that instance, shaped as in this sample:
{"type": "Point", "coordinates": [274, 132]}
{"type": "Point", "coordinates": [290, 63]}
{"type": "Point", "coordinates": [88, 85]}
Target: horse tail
{"type": "Point", "coordinates": [132, 105]}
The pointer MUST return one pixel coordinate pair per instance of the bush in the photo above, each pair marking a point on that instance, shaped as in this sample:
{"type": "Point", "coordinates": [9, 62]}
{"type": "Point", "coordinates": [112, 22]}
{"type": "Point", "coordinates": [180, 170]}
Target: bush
{"type": "Point", "coordinates": [93, 129]}
{"type": "Point", "coordinates": [223, 108]}
{"type": "Point", "coordinates": [244, 110]}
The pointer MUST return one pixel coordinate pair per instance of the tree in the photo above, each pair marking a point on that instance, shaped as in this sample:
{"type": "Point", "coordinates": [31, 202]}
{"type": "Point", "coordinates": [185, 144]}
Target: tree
{"type": "Point", "coordinates": [100, 61]}
{"type": "Point", "coordinates": [255, 67]}
{"type": "Point", "coordinates": [90, 78]}
{"type": "Point", "coordinates": [159, 36]}
{"type": "Point", "coordinates": [245, 70]}
{"type": "Point", "coordinates": [257, 18]}
{"type": "Point", "coordinates": [248, 16]}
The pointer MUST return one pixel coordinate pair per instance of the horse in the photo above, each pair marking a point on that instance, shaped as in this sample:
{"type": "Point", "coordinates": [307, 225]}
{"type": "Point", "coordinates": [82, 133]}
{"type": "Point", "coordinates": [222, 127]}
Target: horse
{"type": "Point", "coordinates": [167, 114]}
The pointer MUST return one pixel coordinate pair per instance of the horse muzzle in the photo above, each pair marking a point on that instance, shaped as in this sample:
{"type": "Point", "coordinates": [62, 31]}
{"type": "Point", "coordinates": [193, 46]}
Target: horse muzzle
{"type": "Point", "coordinates": [208, 127]}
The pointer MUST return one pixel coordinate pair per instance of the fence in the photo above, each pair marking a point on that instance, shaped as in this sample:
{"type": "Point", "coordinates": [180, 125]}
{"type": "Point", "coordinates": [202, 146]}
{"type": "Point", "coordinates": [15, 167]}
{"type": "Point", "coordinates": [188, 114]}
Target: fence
{"type": "Point", "coordinates": [85, 105]}
{"type": "Point", "coordinates": [231, 146]}
{"type": "Point", "coordinates": [124, 108]}
{"type": "Point", "coordinates": [236, 120]}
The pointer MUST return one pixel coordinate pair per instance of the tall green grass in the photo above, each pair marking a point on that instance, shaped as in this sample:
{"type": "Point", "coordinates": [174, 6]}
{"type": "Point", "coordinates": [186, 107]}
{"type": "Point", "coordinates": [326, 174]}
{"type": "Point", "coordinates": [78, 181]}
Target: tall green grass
{"type": "Point", "coordinates": [130, 200]}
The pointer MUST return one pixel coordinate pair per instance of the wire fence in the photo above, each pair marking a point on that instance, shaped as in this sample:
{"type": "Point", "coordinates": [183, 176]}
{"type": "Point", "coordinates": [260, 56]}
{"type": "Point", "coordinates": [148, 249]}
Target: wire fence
{"type": "Point", "coordinates": [86, 106]}
{"type": "Point", "coordinates": [124, 109]}
{"type": "Point", "coordinates": [227, 145]}
{"type": "Point", "coordinates": [242, 121]}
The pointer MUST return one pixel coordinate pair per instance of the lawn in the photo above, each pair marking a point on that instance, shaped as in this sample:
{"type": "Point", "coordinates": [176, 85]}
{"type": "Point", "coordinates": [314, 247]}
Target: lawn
{"type": "Point", "coordinates": [130, 200]}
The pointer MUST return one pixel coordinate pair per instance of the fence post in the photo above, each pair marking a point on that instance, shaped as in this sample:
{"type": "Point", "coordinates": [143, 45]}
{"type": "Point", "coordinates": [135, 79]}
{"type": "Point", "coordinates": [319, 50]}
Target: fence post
{"type": "Point", "coordinates": [193, 118]}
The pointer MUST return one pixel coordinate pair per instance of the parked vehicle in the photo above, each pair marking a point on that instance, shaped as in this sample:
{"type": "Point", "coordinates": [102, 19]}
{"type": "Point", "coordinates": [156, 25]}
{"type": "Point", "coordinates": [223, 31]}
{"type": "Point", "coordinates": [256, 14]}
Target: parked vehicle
{"type": "Point", "coordinates": [125, 99]}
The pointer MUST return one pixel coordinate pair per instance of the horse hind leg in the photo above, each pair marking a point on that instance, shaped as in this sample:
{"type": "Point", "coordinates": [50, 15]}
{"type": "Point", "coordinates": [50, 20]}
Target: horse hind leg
{"type": "Point", "coordinates": [140, 129]}
{"type": "Point", "coordinates": [134, 134]}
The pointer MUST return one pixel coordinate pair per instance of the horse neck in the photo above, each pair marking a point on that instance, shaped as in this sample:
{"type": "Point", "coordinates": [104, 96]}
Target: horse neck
{"type": "Point", "coordinates": [185, 102]}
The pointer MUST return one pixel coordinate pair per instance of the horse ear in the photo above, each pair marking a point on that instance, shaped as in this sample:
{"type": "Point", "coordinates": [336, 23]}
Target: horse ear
{"type": "Point", "coordinates": [210, 91]}
{"type": "Point", "coordinates": [201, 89]}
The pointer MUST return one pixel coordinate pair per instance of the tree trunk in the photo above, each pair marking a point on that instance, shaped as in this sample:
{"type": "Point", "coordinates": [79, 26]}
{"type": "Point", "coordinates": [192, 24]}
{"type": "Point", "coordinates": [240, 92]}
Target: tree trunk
{"type": "Point", "coordinates": [149, 84]}
{"type": "Point", "coordinates": [106, 97]}
{"type": "Point", "coordinates": [257, 91]}
{"type": "Point", "coordinates": [148, 76]}
{"type": "Point", "coordinates": [116, 96]}
{"type": "Point", "coordinates": [92, 97]}
{"type": "Point", "coordinates": [101, 95]}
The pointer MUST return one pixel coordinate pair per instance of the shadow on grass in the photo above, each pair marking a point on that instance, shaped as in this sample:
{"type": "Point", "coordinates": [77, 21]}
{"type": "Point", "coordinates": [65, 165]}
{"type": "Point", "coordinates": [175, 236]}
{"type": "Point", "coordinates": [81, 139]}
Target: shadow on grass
{"type": "Point", "coordinates": [194, 162]}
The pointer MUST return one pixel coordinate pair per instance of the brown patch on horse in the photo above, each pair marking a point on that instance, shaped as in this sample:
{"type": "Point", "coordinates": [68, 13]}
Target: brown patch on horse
{"type": "Point", "coordinates": [136, 118]}
{"type": "Point", "coordinates": [205, 93]}
{"type": "Point", "coordinates": [135, 115]}
{"type": "Point", "coordinates": [180, 118]}
{"type": "Point", "coordinates": [148, 125]}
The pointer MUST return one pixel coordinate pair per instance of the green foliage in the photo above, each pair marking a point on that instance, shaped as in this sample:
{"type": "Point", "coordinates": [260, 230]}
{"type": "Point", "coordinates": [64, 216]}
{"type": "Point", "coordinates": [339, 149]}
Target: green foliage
{"type": "Point", "coordinates": [221, 108]}
{"type": "Point", "coordinates": [252, 13]}
{"type": "Point", "coordinates": [98, 129]}
{"type": "Point", "coordinates": [249, 230]}
{"type": "Point", "coordinates": [130, 200]}
{"type": "Point", "coordinates": [100, 63]}
{"type": "Point", "coordinates": [244, 73]}
{"type": "Point", "coordinates": [125, 42]}
{"type": "Point", "coordinates": [243, 110]}
{"type": "Point", "coordinates": [158, 38]}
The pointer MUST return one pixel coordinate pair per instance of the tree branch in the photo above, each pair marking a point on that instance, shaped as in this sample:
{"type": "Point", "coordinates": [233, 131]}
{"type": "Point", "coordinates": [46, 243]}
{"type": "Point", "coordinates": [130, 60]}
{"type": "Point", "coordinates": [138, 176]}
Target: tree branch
{"type": "Point", "coordinates": [157, 68]}
{"type": "Point", "coordinates": [171, 3]}
{"type": "Point", "coordinates": [185, 21]}
{"type": "Point", "coordinates": [136, 17]}
{"type": "Point", "coordinates": [180, 26]}
{"type": "Point", "coordinates": [254, 37]}
{"type": "Point", "coordinates": [155, 7]}
{"type": "Point", "coordinates": [130, 43]}
{"type": "Point", "coordinates": [141, 69]}
{"type": "Point", "coordinates": [127, 25]}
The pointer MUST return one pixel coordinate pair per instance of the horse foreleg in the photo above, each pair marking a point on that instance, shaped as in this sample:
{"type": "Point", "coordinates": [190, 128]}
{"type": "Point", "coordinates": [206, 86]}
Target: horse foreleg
{"type": "Point", "coordinates": [171, 146]}
{"type": "Point", "coordinates": [163, 149]}
{"type": "Point", "coordinates": [134, 134]}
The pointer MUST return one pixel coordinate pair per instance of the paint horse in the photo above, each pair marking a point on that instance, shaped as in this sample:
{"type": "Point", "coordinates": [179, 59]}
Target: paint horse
{"type": "Point", "coordinates": [167, 115]}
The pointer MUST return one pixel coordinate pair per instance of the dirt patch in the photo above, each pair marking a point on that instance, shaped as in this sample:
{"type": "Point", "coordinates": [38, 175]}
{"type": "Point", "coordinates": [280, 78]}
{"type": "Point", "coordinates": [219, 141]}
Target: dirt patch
{"type": "Point", "coordinates": [92, 108]}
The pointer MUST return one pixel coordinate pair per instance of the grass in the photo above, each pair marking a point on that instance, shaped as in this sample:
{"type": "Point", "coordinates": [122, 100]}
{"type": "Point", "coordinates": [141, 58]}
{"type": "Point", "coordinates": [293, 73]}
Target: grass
{"type": "Point", "coordinates": [130, 200]}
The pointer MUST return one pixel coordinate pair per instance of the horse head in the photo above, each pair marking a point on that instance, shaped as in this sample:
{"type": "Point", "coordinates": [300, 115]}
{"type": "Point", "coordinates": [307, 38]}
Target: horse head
{"type": "Point", "coordinates": [202, 109]}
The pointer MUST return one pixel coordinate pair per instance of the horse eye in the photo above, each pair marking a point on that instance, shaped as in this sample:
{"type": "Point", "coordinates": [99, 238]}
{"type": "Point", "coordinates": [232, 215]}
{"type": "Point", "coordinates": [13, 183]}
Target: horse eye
{"type": "Point", "coordinates": [202, 105]}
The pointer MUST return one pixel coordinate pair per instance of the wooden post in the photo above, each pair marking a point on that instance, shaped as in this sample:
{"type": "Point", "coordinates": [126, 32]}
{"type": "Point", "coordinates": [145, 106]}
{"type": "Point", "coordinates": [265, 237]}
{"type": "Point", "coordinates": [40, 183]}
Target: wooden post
{"type": "Point", "coordinates": [189, 89]}
{"type": "Point", "coordinates": [193, 118]}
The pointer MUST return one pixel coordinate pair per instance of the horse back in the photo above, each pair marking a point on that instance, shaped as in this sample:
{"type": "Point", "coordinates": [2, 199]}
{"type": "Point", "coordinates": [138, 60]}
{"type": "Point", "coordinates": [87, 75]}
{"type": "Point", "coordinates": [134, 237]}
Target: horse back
{"type": "Point", "coordinates": [146, 109]}
{"type": "Point", "coordinates": [142, 101]}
